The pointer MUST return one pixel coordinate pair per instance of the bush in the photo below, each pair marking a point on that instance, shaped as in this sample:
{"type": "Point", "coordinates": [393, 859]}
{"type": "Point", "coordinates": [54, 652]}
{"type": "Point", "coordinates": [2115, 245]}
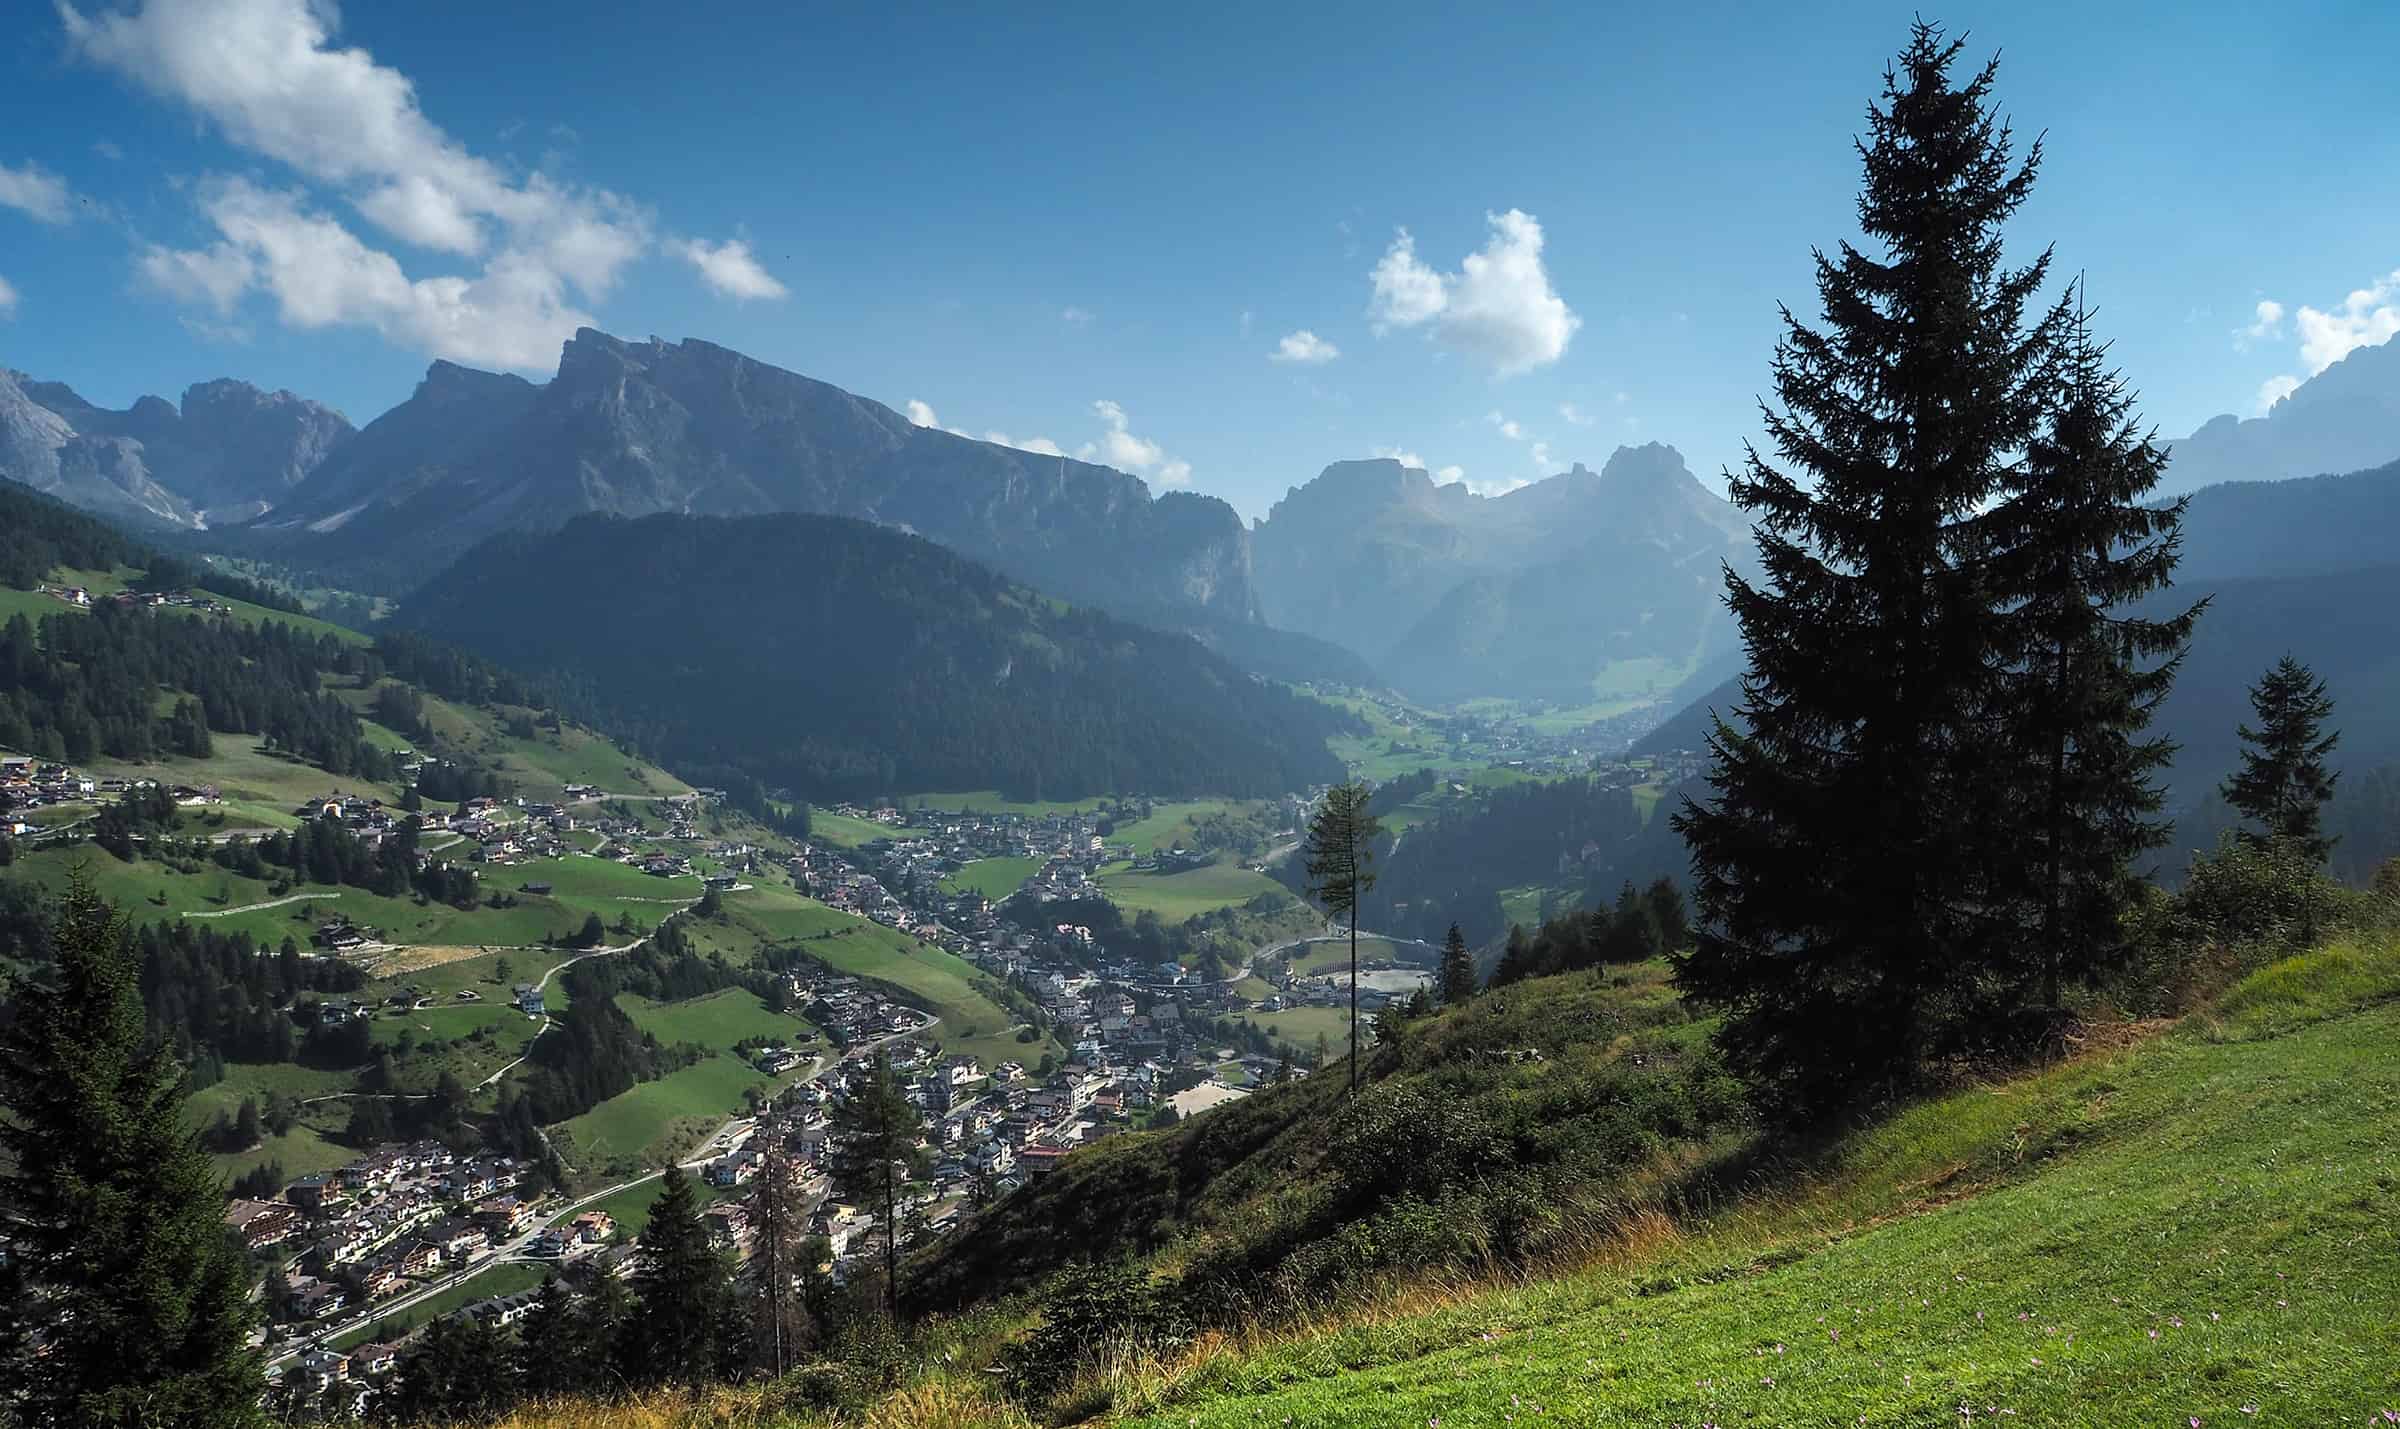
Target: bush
{"type": "Point", "coordinates": [1088, 1311]}
{"type": "Point", "coordinates": [2242, 906]}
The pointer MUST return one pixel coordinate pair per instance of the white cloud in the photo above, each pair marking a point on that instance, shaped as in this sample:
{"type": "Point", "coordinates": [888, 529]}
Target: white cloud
{"type": "Point", "coordinates": [2272, 391]}
{"type": "Point", "coordinates": [728, 268]}
{"type": "Point", "coordinates": [1039, 446]}
{"type": "Point", "coordinates": [1119, 447]}
{"type": "Point", "coordinates": [1450, 474]}
{"type": "Point", "coordinates": [1498, 486]}
{"type": "Point", "coordinates": [514, 314]}
{"type": "Point", "coordinates": [1077, 316]}
{"type": "Point", "coordinates": [216, 276]}
{"type": "Point", "coordinates": [1507, 428]}
{"type": "Point", "coordinates": [921, 413]}
{"type": "Point", "coordinates": [1574, 414]}
{"type": "Point", "coordinates": [35, 192]}
{"type": "Point", "coordinates": [269, 76]}
{"type": "Point", "coordinates": [1499, 305]}
{"type": "Point", "coordinates": [1401, 455]}
{"type": "Point", "coordinates": [2269, 321]}
{"type": "Point", "coordinates": [1541, 454]}
{"type": "Point", "coordinates": [8, 299]}
{"type": "Point", "coordinates": [2367, 316]}
{"type": "Point", "coordinates": [1304, 347]}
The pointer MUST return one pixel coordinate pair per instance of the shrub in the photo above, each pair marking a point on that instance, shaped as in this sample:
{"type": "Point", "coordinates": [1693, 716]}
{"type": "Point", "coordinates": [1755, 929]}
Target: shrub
{"type": "Point", "coordinates": [1088, 1311]}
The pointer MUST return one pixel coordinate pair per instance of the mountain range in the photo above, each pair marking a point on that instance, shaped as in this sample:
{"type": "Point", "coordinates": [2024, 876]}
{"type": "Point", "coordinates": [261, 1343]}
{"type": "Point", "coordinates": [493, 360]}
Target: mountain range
{"type": "Point", "coordinates": [2346, 418]}
{"type": "Point", "coordinates": [1583, 588]}
{"type": "Point", "coordinates": [229, 452]}
{"type": "Point", "coordinates": [1539, 593]}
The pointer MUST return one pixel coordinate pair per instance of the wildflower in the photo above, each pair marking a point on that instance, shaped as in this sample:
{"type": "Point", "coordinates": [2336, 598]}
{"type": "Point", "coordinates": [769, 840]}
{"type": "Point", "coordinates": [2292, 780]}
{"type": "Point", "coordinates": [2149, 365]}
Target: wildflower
{"type": "Point", "coordinates": [2154, 1334]}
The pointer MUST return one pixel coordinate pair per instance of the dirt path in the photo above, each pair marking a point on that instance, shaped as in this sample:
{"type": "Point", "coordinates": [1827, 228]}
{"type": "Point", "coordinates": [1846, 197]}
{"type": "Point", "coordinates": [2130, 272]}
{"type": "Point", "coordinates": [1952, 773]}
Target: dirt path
{"type": "Point", "coordinates": [261, 907]}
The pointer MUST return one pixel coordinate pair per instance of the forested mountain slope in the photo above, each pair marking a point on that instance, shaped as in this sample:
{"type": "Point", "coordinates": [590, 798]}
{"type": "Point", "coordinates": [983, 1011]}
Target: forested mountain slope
{"type": "Point", "coordinates": [838, 658]}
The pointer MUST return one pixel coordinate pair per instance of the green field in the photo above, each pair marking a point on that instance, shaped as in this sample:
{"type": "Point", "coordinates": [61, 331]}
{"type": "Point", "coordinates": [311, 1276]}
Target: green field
{"type": "Point", "coordinates": [656, 1119]}
{"type": "Point", "coordinates": [1331, 957]}
{"type": "Point", "coordinates": [630, 1208]}
{"type": "Point", "coordinates": [994, 878]}
{"type": "Point", "coordinates": [988, 801]}
{"type": "Point", "coordinates": [223, 900]}
{"type": "Point", "coordinates": [1301, 1026]}
{"type": "Point", "coordinates": [1177, 896]}
{"type": "Point", "coordinates": [718, 1020]}
{"type": "Point", "coordinates": [971, 1022]}
{"type": "Point", "coordinates": [843, 831]}
{"type": "Point", "coordinates": [2194, 1229]}
{"type": "Point", "coordinates": [500, 1279]}
{"type": "Point", "coordinates": [1168, 825]}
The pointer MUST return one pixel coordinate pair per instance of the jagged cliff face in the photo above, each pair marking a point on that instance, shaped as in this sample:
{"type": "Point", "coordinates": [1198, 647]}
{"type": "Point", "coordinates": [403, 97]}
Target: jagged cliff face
{"type": "Point", "coordinates": [632, 428]}
{"type": "Point", "coordinates": [228, 454]}
{"type": "Point", "coordinates": [1530, 594]}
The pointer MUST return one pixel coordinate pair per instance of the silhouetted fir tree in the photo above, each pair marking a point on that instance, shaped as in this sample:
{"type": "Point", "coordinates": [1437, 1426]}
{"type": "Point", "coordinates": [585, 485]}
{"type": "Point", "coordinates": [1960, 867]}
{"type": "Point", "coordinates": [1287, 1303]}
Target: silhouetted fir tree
{"type": "Point", "coordinates": [1458, 970]}
{"type": "Point", "coordinates": [1516, 958]}
{"type": "Point", "coordinates": [552, 1357]}
{"type": "Point", "coordinates": [874, 1134]}
{"type": "Point", "coordinates": [2086, 672]}
{"type": "Point", "coordinates": [124, 1302]}
{"type": "Point", "coordinates": [678, 1284]}
{"type": "Point", "coordinates": [1631, 935]}
{"type": "Point", "coordinates": [1841, 907]}
{"type": "Point", "coordinates": [459, 1371]}
{"type": "Point", "coordinates": [1665, 902]}
{"type": "Point", "coordinates": [2283, 783]}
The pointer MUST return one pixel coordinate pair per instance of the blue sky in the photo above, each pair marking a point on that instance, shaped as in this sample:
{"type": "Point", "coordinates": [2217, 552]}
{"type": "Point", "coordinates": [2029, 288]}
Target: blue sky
{"type": "Point", "coordinates": [1096, 227]}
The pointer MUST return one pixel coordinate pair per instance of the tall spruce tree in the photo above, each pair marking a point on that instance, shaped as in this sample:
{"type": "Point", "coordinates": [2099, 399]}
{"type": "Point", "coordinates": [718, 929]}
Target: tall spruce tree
{"type": "Point", "coordinates": [1458, 970]}
{"type": "Point", "coordinates": [779, 1327]}
{"type": "Point", "coordinates": [874, 1134]}
{"type": "Point", "coordinates": [1841, 906]}
{"type": "Point", "coordinates": [679, 1281]}
{"type": "Point", "coordinates": [1340, 851]}
{"type": "Point", "coordinates": [127, 1303]}
{"type": "Point", "coordinates": [2283, 784]}
{"type": "Point", "coordinates": [2079, 548]}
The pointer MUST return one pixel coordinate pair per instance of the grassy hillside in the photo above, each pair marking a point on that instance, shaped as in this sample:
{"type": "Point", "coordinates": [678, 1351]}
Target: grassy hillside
{"type": "Point", "coordinates": [2192, 1227]}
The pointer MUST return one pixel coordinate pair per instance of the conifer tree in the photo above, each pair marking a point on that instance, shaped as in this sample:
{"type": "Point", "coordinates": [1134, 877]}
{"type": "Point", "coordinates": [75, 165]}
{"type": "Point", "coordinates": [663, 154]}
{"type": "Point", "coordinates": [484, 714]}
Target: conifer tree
{"type": "Point", "coordinates": [678, 1280]}
{"type": "Point", "coordinates": [2079, 547]}
{"type": "Point", "coordinates": [1667, 913]}
{"type": "Point", "coordinates": [1841, 907]}
{"type": "Point", "coordinates": [552, 1356]}
{"type": "Point", "coordinates": [1458, 970]}
{"type": "Point", "coordinates": [874, 1134]}
{"type": "Point", "coordinates": [2283, 784]}
{"type": "Point", "coordinates": [459, 1371]}
{"type": "Point", "coordinates": [1341, 870]}
{"type": "Point", "coordinates": [779, 1327]}
{"type": "Point", "coordinates": [119, 1266]}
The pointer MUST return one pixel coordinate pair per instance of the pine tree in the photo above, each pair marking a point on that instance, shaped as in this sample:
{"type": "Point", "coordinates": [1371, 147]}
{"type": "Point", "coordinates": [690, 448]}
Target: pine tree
{"type": "Point", "coordinates": [874, 1134]}
{"type": "Point", "coordinates": [1674, 925]}
{"type": "Point", "coordinates": [459, 1371]}
{"type": "Point", "coordinates": [2080, 546]}
{"type": "Point", "coordinates": [678, 1280]}
{"type": "Point", "coordinates": [1341, 870]}
{"type": "Point", "coordinates": [552, 1356]}
{"type": "Point", "coordinates": [119, 1265]}
{"type": "Point", "coordinates": [1516, 958]}
{"type": "Point", "coordinates": [779, 1327]}
{"type": "Point", "coordinates": [1841, 907]}
{"type": "Point", "coordinates": [1458, 970]}
{"type": "Point", "coordinates": [2283, 784]}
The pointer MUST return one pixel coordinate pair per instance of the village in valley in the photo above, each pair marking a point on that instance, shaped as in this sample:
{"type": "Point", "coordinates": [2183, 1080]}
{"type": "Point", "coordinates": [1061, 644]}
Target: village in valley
{"type": "Point", "coordinates": [1154, 1015]}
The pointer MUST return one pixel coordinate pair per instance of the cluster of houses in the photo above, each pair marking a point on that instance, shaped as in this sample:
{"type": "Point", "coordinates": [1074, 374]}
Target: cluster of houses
{"type": "Point", "coordinates": [400, 1214]}
{"type": "Point", "coordinates": [82, 598]}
